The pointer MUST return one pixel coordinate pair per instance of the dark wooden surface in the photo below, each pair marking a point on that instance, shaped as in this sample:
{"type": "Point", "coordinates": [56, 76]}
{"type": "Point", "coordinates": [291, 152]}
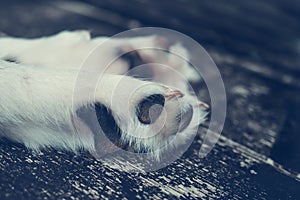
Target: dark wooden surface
{"type": "Point", "coordinates": [256, 45]}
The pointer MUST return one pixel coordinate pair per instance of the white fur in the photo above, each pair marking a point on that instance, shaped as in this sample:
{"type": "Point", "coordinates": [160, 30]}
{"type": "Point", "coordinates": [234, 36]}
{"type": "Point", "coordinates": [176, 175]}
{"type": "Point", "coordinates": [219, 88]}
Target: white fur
{"type": "Point", "coordinates": [37, 106]}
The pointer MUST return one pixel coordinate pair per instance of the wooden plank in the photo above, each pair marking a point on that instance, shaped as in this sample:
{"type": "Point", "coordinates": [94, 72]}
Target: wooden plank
{"type": "Point", "coordinates": [258, 153]}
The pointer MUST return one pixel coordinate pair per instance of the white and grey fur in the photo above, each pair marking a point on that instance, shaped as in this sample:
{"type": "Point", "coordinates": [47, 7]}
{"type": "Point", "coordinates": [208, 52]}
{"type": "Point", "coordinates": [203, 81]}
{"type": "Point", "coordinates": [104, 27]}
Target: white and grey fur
{"type": "Point", "coordinates": [38, 108]}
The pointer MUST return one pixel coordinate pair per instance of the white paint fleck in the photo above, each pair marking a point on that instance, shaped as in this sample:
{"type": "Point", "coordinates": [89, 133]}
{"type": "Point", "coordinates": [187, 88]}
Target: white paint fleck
{"type": "Point", "coordinates": [28, 160]}
{"type": "Point", "coordinates": [88, 191]}
{"type": "Point", "coordinates": [270, 161]}
{"type": "Point", "coordinates": [241, 90]}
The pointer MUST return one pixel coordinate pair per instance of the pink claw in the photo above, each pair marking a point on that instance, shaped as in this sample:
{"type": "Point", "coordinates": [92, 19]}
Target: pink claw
{"type": "Point", "coordinates": [173, 93]}
{"type": "Point", "coordinates": [203, 105]}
